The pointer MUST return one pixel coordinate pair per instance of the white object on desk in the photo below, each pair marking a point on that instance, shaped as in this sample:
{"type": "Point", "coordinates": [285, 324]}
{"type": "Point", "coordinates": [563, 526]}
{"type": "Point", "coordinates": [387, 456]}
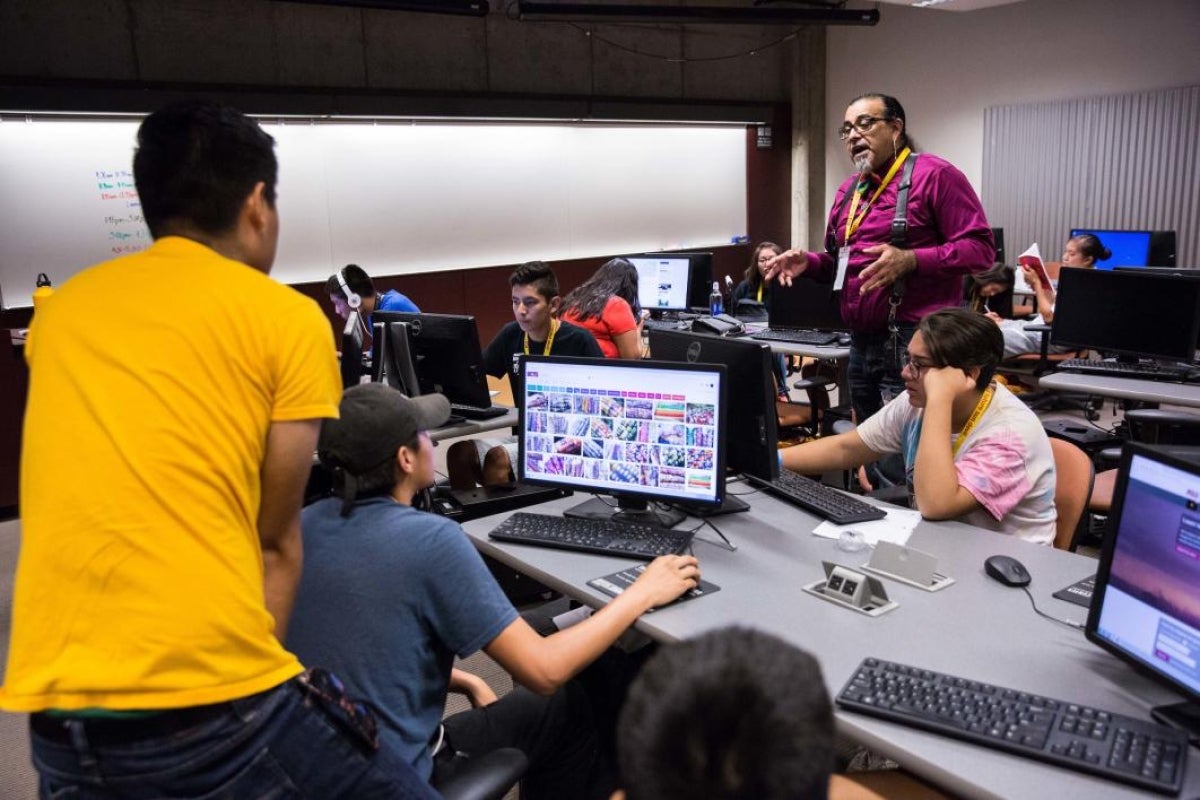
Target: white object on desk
{"type": "Point", "coordinates": [896, 527]}
{"type": "Point", "coordinates": [907, 565]}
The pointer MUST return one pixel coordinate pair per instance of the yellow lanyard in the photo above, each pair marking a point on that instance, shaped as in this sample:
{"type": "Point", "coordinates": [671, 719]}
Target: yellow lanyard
{"type": "Point", "coordinates": [549, 339]}
{"type": "Point", "coordinates": [853, 222]}
{"type": "Point", "coordinates": [760, 292]}
{"type": "Point", "coordinates": [980, 407]}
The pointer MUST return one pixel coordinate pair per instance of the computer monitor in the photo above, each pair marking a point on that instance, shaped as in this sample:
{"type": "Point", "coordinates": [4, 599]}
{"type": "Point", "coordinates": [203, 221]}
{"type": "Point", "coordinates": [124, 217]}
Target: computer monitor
{"type": "Point", "coordinates": [1162, 248]}
{"type": "Point", "coordinates": [650, 433]}
{"type": "Point", "coordinates": [1128, 313]}
{"type": "Point", "coordinates": [392, 358]}
{"type": "Point", "coordinates": [751, 427]}
{"type": "Point", "coordinates": [446, 355]}
{"type": "Point", "coordinates": [663, 281]}
{"type": "Point", "coordinates": [1134, 248]}
{"type": "Point", "coordinates": [352, 352]}
{"type": "Point", "coordinates": [701, 277]}
{"type": "Point", "coordinates": [1146, 602]}
{"type": "Point", "coordinates": [807, 305]}
{"type": "Point", "coordinates": [998, 240]}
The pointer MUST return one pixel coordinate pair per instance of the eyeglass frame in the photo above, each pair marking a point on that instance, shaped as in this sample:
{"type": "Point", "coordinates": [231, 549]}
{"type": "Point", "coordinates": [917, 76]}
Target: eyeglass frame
{"type": "Point", "coordinates": [859, 125]}
{"type": "Point", "coordinates": [907, 362]}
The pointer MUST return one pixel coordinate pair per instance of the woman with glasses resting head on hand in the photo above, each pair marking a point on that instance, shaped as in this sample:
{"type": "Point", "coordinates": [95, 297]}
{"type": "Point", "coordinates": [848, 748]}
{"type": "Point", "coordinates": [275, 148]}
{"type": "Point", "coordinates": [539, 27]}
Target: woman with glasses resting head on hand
{"type": "Point", "coordinates": [972, 451]}
{"type": "Point", "coordinates": [607, 305]}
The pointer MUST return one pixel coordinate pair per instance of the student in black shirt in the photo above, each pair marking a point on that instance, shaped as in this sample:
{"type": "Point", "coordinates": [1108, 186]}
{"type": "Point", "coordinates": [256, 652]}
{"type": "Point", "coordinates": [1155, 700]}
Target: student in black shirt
{"type": "Point", "coordinates": [535, 330]}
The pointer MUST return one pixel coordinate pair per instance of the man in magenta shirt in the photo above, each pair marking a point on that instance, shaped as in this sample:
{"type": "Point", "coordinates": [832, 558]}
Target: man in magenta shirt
{"type": "Point", "coordinates": [948, 237]}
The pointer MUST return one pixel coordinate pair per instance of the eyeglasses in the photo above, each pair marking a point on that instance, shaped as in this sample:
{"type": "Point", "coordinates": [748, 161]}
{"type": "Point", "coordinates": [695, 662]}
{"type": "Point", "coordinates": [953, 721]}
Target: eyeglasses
{"type": "Point", "coordinates": [862, 124]}
{"type": "Point", "coordinates": [914, 366]}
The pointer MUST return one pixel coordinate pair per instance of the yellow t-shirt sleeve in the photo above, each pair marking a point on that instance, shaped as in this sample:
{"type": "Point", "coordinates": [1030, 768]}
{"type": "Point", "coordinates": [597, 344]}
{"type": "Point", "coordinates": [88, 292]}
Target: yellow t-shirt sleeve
{"type": "Point", "coordinates": [309, 383]}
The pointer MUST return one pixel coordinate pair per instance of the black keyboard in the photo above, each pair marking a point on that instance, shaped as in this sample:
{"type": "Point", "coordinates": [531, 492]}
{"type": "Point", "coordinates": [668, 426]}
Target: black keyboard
{"type": "Point", "coordinates": [1113, 746]}
{"type": "Point", "coordinates": [796, 336]}
{"type": "Point", "coordinates": [1151, 371]}
{"type": "Point", "coordinates": [822, 500]}
{"type": "Point", "coordinates": [630, 540]}
{"type": "Point", "coordinates": [667, 325]}
{"type": "Point", "coordinates": [478, 412]}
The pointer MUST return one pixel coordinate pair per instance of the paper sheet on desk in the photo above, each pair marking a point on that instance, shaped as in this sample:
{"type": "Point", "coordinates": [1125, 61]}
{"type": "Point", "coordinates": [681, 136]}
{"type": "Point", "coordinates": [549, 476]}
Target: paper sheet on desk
{"type": "Point", "coordinates": [896, 527]}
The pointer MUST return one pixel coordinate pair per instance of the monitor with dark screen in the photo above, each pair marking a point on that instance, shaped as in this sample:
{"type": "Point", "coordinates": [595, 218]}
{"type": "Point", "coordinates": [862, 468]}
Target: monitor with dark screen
{"type": "Point", "coordinates": [1146, 603]}
{"type": "Point", "coordinates": [352, 352]}
{"type": "Point", "coordinates": [805, 305]}
{"type": "Point", "coordinates": [392, 359]}
{"type": "Point", "coordinates": [751, 421]}
{"type": "Point", "coordinates": [998, 239]}
{"type": "Point", "coordinates": [446, 355]}
{"type": "Point", "coordinates": [662, 281]}
{"type": "Point", "coordinates": [1129, 313]}
{"type": "Point", "coordinates": [649, 433]}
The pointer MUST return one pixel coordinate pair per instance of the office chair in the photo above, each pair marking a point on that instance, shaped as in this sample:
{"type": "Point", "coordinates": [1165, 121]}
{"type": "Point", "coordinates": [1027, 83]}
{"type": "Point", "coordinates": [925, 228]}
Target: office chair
{"type": "Point", "coordinates": [799, 421]}
{"type": "Point", "coordinates": [487, 777]}
{"type": "Point", "coordinates": [1075, 475]}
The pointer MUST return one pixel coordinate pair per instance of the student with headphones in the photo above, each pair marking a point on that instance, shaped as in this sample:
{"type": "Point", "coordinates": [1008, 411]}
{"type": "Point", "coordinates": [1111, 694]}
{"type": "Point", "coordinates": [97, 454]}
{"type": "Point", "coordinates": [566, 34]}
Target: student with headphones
{"type": "Point", "coordinates": [352, 290]}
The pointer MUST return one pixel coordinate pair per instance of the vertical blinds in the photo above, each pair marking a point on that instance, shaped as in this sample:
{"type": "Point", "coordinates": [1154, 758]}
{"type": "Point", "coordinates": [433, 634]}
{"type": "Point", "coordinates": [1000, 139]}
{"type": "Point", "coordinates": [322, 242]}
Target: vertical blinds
{"type": "Point", "coordinates": [1123, 162]}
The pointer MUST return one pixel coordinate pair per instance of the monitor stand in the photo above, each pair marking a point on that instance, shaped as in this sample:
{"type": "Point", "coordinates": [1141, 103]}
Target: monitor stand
{"type": "Point", "coordinates": [1181, 716]}
{"type": "Point", "coordinates": [730, 505]}
{"type": "Point", "coordinates": [628, 509]}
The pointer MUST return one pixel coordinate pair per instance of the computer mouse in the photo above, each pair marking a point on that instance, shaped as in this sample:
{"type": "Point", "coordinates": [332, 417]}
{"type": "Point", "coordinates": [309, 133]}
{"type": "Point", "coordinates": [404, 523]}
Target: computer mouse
{"type": "Point", "coordinates": [1007, 570]}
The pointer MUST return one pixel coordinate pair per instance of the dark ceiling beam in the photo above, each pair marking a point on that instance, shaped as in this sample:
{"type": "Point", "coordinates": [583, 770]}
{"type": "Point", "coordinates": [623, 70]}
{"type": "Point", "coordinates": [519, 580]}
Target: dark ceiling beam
{"type": "Point", "coordinates": [692, 15]}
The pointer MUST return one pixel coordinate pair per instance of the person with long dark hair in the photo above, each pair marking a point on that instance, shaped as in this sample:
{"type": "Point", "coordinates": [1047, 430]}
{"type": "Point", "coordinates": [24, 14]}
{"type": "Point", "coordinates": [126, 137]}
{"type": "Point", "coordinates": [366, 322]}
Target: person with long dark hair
{"type": "Point", "coordinates": [607, 305]}
{"type": "Point", "coordinates": [753, 286]}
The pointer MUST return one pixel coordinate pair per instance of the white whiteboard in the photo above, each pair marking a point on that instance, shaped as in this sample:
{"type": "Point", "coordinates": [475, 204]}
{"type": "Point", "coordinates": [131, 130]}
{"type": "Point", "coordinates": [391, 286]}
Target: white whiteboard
{"type": "Point", "coordinates": [392, 197]}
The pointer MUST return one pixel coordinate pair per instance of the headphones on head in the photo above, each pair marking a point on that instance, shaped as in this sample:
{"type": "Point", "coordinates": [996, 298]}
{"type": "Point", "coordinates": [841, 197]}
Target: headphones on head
{"type": "Point", "coordinates": [353, 299]}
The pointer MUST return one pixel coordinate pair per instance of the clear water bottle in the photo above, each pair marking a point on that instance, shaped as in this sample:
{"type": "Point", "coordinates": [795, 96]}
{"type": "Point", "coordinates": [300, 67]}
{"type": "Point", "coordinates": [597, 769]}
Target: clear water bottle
{"type": "Point", "coordinates": [715, 304]}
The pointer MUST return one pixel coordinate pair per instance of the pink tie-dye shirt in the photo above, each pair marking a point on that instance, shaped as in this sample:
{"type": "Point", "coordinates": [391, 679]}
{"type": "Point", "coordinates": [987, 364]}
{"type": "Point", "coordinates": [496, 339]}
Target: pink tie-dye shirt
{"type": "Point", "coordinates": [1005, 462]}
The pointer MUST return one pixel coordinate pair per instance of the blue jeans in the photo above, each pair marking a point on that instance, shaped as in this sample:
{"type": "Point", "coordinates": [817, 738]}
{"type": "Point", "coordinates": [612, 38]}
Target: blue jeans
{"type": "Point", "coordinates": [875, 368]}
{"type": "Point", "coordinates": [275, 746]}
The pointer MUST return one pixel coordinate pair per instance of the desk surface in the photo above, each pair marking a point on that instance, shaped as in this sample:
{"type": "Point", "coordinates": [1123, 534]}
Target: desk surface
{"type": "Point", "coordinates": [472, 426]}
{"type": "Point", "coordinates": [976, 628]}
{"type": "Point", "coordinates": [1177, 394]}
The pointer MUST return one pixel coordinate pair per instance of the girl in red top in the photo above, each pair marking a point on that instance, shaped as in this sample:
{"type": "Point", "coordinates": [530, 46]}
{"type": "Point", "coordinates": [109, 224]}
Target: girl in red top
{"type": "Point", "coordinates": [607, 305]}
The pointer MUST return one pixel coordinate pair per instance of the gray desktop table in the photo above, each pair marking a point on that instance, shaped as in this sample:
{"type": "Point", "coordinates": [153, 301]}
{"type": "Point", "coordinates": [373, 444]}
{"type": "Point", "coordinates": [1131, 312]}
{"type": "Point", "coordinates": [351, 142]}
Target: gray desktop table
{"type": "Point", "coordinates": [1176, 394]}
{"type": "Point", "coordinates": [976, 628]}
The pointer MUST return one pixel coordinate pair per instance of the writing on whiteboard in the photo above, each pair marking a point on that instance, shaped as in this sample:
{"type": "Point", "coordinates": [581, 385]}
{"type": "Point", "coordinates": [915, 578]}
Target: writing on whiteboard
{"type": "Point", "coordinates": [123, 220]}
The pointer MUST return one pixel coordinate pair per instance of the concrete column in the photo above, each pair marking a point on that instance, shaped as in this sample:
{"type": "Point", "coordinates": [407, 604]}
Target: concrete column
{"type": "Point", "coordinates": [807, 89]}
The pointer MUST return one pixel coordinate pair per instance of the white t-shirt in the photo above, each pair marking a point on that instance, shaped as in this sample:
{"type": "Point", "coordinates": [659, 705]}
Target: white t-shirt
{"type": "Point", "coordinates": [1006, 462]}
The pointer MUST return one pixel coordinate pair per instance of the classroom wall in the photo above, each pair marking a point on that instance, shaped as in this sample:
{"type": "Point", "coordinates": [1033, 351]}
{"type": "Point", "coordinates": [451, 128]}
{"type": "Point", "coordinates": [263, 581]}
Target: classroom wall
{"type": "Point", "coordinates": [279, 57]}
{"type": "Point", "coordinates": [947, 67]}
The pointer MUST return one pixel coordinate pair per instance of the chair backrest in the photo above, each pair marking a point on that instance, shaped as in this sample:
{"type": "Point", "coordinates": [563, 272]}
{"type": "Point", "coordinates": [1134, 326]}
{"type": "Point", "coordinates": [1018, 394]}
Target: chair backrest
{"type": "Point", "coordinates": [1072, 490]}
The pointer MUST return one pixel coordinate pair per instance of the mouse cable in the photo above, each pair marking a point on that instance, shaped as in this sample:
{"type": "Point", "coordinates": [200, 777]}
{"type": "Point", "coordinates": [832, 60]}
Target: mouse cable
{"type": "Point", "coordinates": [1039, 612]}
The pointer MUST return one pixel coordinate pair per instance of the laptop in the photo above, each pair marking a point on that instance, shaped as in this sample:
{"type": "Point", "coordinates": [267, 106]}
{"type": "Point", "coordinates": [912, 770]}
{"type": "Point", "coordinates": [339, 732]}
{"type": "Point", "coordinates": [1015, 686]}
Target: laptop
{"type": "Point", "coordinates": [808, 311]}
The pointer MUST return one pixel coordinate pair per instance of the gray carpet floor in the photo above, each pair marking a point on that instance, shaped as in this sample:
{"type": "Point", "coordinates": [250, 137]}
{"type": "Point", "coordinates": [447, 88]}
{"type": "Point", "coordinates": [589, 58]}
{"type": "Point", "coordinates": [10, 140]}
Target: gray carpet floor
{"type": "Point", "coordinates": [18, 781]}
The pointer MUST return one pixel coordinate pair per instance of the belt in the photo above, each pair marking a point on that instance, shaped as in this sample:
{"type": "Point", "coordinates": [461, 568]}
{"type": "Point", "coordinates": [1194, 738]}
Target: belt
{"type": "Point", "coordinates": [105, 731]}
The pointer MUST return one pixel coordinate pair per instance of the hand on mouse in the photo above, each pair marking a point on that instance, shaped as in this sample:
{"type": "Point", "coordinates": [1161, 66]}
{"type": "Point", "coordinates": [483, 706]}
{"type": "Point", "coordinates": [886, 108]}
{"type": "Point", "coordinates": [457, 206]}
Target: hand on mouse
{"type": "Point", "coordinates": [666, 578]}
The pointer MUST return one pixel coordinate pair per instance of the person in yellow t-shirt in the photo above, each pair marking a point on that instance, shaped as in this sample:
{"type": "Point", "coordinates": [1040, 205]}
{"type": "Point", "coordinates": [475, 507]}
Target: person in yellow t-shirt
{"type": "Point", "coordinates": [175, 400]}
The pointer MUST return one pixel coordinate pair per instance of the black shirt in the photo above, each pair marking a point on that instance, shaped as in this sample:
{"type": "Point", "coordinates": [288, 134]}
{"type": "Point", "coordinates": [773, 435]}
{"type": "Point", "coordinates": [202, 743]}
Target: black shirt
{"type": "Point", "coordinates": [500, 357]}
